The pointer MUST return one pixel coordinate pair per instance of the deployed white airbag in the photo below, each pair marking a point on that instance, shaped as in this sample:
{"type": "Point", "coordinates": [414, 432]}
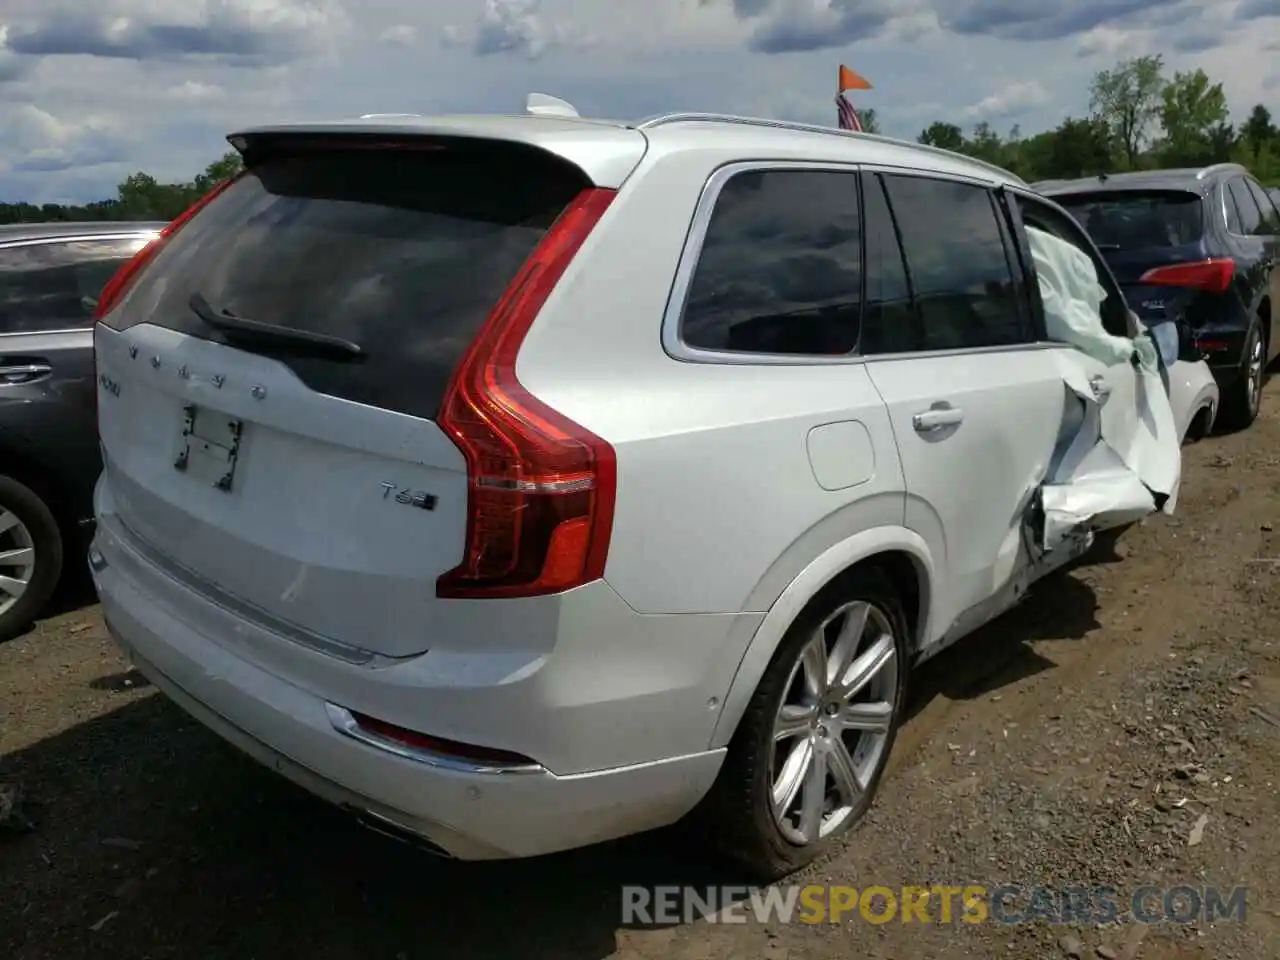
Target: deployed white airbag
{"type": "Point", "coordinates": [1106, 475]}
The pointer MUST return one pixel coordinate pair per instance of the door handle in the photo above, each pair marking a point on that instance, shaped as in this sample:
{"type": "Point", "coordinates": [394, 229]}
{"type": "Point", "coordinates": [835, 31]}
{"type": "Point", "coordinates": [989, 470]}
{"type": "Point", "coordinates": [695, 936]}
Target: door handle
{"type": "Point", "coordinates": [936, 419]}
{"type": "Point", "coordinates": [16, 373]}
{"type": "Point", "coordinates": [1101, 389]}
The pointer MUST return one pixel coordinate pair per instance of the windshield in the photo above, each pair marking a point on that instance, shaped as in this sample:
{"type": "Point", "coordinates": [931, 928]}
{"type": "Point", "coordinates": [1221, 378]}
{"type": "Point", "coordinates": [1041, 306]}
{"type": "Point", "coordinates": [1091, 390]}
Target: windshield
{"type": "Point", "coordinates": [1134, 221]}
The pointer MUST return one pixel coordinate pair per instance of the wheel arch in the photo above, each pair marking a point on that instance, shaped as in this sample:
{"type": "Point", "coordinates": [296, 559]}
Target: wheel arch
{"type": "Point", "coordinates": [30, 472]}
{"type": "Point", "coordinates": [903, 557]}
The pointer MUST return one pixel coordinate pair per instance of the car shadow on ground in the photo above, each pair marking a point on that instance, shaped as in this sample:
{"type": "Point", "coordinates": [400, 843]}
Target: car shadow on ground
{"type": "Point", "coordinates": [192, 850]}
{"type": "Point", "coordinates": [74, 592]}
{"type": "Point", "coordinates": [1060, 607]}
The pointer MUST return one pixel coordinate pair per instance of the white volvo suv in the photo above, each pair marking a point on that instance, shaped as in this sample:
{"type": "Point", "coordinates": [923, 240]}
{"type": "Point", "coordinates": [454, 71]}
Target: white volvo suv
{"type": "Point", "coordinates": [523, 482]}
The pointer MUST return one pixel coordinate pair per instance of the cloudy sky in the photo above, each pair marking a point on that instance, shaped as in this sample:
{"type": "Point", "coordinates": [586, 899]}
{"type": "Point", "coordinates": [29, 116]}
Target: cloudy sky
{"type": "Point", "coordinates": [92, 90]}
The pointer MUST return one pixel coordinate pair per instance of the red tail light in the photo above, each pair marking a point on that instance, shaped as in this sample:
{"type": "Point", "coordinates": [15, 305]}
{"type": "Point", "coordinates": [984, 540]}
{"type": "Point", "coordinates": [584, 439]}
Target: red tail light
{"type": "Point", "coordinates": [119, 284]}
{"type": "Point", "coordinates": [445, 748]}
{"type": "Point", "coordinates": [1211, 276]}
{"type": "Point", "coordinates": [541, 488]}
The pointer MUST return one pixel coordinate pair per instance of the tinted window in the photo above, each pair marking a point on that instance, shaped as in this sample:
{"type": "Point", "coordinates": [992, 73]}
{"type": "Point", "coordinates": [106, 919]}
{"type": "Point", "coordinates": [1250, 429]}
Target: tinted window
{"type": "Point", "coordinates": [1231, 211]}
{"type": "Point", "coordinates": [1138, 220]}
{"type": "Point", "coordinates": [1115, 309]}
{"type": "Point", "coordinates": [889, 320]}
{"type": "Point", "coordinates": [1270, 218]}
{"type": "Point", "coordinates": [958, 264]}
{"type": "Point", "coordinates": [780, 269]}
{"type": "Point", "coordinates": [1250, 215]}
{"type": "Point", "coordinates": [403, 252]}
{"type": "Point", "coordinates": [55, 286]}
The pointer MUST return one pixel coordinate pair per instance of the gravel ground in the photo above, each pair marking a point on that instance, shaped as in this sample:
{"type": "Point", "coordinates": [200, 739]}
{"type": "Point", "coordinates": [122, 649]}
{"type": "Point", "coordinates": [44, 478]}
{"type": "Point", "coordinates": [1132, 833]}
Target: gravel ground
{"type": "Point", "coordinates": [1120, 728]}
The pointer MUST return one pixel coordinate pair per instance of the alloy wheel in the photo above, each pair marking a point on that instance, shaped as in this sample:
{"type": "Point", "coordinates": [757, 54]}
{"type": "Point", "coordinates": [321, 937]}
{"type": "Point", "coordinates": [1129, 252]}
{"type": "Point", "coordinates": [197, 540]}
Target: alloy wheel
{"type": "Point", "coordinates": [1254, 373]}
{"type": "Point", "coordinates": [832, 728]}
{"type": "Point", "coordinates": [17, 559]}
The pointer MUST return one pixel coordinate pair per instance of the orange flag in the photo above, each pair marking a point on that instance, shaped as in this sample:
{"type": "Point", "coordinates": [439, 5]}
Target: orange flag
{"type": "Point", "coordinates": [852, 81]}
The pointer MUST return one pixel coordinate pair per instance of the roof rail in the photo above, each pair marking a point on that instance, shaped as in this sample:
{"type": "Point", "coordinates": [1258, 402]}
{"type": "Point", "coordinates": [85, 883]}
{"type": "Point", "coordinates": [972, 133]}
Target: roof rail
{"type": "Point", "coordinates": [666, 119]}
{"type": "Point", "coordinates": [1220, 168]}
{"type": "Point", "coordinates": [386, 116]}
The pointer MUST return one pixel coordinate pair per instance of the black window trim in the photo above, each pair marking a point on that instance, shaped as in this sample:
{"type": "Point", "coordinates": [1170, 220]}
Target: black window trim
{"type": "Point", "coordinates": [994, 190]}
{"type": "Point", "coordinates": [68, 238]}
{"type": "Point", "coordinates": [1014, 212]}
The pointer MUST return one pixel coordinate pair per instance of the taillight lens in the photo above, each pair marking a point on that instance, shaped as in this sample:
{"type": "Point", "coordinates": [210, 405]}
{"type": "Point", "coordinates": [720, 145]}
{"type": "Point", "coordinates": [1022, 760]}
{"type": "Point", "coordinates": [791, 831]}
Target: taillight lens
{"type": "Point", "coordinates": [438, 745]}
{"type": "Point", "coordinates": [1211, 276]}
{"type": "Point", "coordinates": [541, 488]}
{"type": "Point", "coordinates": [119, 284]}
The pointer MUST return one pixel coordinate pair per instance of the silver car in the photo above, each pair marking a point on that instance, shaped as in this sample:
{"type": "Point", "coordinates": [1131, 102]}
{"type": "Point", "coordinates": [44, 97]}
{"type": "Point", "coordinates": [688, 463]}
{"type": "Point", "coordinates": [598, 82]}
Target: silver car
{"type": "Point", "coordinates": [524, 482]}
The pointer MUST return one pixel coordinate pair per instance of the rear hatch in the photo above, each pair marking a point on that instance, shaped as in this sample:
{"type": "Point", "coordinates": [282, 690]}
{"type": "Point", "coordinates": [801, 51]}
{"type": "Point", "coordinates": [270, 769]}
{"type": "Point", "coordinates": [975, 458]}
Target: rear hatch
{"type": "Point", "coordinates": [276, 369]}
{"type": "Point", "coordinates": [1140, 230]}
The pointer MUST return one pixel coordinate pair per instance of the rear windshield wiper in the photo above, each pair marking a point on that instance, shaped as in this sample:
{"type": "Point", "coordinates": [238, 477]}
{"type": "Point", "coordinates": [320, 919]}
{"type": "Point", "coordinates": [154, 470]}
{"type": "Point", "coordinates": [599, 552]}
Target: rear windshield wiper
{"type": "Point", "coordinates": [244, 328]}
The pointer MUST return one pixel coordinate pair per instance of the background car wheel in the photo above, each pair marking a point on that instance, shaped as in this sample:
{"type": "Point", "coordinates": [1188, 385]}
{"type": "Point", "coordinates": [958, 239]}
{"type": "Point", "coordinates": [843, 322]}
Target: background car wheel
{"type": "Point", "coordinates": [809, 752]}
{"type": "Point", "coordinates": [1240, 406]}
{"type": "Point", "coordinates": [30, 556]}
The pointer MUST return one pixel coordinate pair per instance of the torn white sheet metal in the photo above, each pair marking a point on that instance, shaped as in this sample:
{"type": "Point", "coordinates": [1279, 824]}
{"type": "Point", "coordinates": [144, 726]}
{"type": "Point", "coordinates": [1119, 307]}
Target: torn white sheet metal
{"type": "Point", "coordinates": [1122, 463]}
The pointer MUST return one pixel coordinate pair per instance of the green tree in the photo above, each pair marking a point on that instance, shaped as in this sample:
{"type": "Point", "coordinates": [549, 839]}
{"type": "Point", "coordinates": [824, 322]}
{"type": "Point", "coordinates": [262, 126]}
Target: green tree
{"type": "Point", "coordinates": [1127, 99]}
{"type": "Point", "coordinates": [870, 120]}
{"type": "Point", "coordinates": [985, 144]}
{"type": "Point", "coordinates": [1193, 110]}
{"type": "Point", "coordinates": [945, 135]}
{"type": "Point", "coordinates": [1258, 131]}
{"type": "Point", "coordinates": [1076, 148]}
{"type": "Point", "coordinates": [222, 169]}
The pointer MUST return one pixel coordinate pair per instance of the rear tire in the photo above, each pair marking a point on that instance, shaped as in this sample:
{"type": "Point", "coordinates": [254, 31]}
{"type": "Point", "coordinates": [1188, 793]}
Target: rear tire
{"type": "Point", "coordinates": [1241, 403]}
{"type": "Point", "coordinates": [763, 812]}
{"type": "Point", "coordinates": [30, 556]}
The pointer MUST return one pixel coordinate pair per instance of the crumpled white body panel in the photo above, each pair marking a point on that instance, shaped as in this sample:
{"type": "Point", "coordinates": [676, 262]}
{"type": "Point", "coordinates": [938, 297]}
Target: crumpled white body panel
{"type": "Point", "coordinates": [1107, 475]}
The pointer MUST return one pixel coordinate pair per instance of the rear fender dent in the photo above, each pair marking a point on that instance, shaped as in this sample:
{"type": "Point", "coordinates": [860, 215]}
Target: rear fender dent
{"type": "Point", "coordinates": [806, 585]}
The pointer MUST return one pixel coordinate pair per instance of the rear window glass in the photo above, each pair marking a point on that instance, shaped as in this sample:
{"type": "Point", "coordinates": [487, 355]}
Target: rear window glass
{"type": "Point", "coordinates": [1135, 221]}
{"type": "Point", "coordinates": [401, 251]}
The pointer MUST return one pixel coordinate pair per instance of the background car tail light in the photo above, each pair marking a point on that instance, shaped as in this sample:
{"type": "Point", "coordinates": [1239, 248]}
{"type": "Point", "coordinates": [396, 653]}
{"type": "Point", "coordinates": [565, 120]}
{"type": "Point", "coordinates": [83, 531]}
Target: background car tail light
{"type": "Point", "coordinates": [119, 284]}
{"type": "Point", "coordinates": [1211, 276]}
{"type": "Point", "coordinates": [540, 492]}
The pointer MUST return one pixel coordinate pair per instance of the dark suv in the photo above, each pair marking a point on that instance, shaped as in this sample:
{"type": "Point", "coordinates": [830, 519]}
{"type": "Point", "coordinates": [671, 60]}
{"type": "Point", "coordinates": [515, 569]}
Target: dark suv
{"type": "Point", "coordinates": [1201, 247]}
{"type": "Point", "coordinates": [50, 278]}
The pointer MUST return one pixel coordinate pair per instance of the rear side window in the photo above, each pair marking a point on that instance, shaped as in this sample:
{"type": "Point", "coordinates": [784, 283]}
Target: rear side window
{"type": "Point", "coordinates": [1246, 206]}
{"type": "Point", "coordinates": [958, 263]}
{"type": "Point", "coordinates": [780, 269]}
{"type": "Point", "coordinates": [1270, 217]}
{"type": "Point", "coordinates": [403, 252]}
{"type": "Point", "coordinates": [55, 286]}
{"type": "Point", "coordinates": [1138, 220]}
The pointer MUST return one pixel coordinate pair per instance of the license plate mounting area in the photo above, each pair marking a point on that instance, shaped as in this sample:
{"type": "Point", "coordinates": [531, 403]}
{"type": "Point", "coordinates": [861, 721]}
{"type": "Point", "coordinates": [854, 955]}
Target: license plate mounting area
{"type": "Point", "coordinates": [209, 446]}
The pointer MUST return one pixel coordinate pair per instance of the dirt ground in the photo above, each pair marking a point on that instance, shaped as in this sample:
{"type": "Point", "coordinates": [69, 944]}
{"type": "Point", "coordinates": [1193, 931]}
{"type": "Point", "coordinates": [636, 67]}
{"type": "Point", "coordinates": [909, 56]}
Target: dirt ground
{"type": "Point", "coordinates": [1120, 728]}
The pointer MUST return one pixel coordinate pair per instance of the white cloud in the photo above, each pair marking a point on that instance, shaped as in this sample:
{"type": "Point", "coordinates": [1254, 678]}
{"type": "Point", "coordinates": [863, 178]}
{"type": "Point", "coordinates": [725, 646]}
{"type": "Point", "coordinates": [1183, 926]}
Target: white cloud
{"type": "Point", "coordinates": [45, 144]}
{"type": "Point", "coordinates": [514, 27]}
{"type": "Point", "coordinates": [189, 91]}
{"type": "Point", "coordinates": [159, 83]}
{"type": "Point", "coordinates": [1011, 101]}
{"type": "Point", "coordinates": [403, 34]}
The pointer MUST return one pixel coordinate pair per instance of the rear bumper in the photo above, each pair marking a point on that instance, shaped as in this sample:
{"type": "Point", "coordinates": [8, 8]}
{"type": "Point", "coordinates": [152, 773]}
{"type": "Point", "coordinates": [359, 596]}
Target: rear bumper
{"type": "Point", "coordinates": [188, 648]}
